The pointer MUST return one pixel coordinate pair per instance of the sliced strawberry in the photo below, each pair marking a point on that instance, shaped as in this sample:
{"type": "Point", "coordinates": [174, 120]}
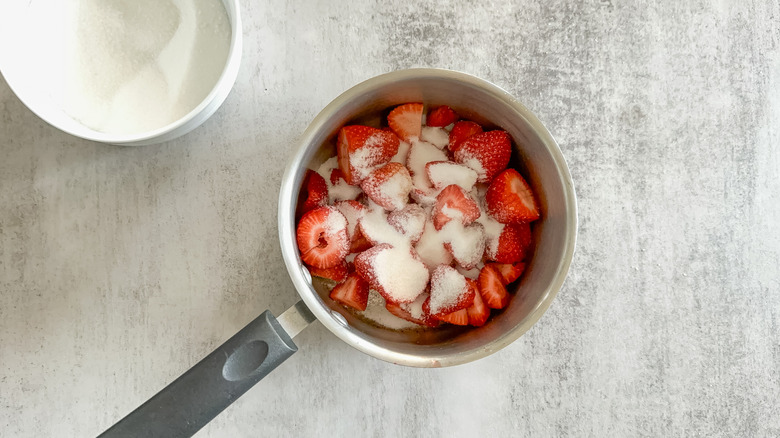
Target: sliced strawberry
{"type": "Point", "coordinates": [396, 273]}
{"type": "Point", "coordinates": [441, 117]}
{"type": "Point", "coordinates": [409, 221]}
{"type": "Point", "coordinates": [322, 237]}
{"type": "Point", "coordinates": [453, 202]}
{"type": "Point", "coordinates": [450, 292]}
{"type": "Point", "coordinates": [514, 243]}
{"type": "Point", "coordinates": [488, 153]}
{"type": "Point", "coordinates": [316, 191]}
{"type": "Point", "coordinates": [406, 121]}
{"type": "Point", "coordinates": [337, 273]}
{"type": "Point", "coordinates": [510, 199]}
{"type": "Point", "coordinates": [359, 242]}
{"type": "Point", "coordinates": [509, 272]}
{"type": "Point", "coordinates": [336, 175]}
{"type": "Point", "coordinates": [400, 310]}
{"type": "Point", "coordinates": [353, 292]}
{"type": "Point", "coordinates": [461, 131]}
{"type": "Point", "coordinates": [478, 312]}
{"type": "Point", "coordinates": [460, 317]}
{"type": "Point", "coordinates": [492, 289]}
{"type": "Point", "coordinates": [443, 173]}
{"type": "Point", "coordinates": [388, 186]}
{"type": "Point", "coordinates": [361, 149]}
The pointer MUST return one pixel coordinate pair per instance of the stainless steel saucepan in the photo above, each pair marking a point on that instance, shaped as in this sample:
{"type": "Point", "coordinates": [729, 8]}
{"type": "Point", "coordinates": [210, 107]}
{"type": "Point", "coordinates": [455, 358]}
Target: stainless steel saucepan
{"type": "Point", "coordinates": [192, 400]}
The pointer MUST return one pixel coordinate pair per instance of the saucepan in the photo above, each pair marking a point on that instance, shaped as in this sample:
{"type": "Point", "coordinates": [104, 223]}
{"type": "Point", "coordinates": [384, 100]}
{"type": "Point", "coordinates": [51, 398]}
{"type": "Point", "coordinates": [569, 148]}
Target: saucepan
{"type": "Point", "coordinates": [201, 393]}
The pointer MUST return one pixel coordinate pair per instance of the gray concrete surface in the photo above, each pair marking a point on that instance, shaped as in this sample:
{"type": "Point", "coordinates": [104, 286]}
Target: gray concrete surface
{"type": "Point", "coordinates": [121, 267]}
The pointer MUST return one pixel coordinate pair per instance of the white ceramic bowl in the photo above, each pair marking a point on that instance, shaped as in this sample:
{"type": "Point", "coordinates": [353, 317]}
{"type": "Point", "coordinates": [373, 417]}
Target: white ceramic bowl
{"type": "Point", "coordinates": [18, 66]}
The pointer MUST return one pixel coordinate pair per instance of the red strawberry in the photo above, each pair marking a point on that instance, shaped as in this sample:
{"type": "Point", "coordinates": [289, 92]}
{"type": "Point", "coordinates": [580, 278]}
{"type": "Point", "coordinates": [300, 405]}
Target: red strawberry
{"type": "Point", "coordinates": [396, 273]}
{"type": "Point", "coordinates": [509, 272]}
{"type": "Point", "coordinates": [316, 191]}
{"type": "Point", "coordinates": [353, 292]}
{"type": "Point", "coordinates": [492, 289]}
{"type": "Point", "coordinates": [406, 121]}
{"type": "Point", "coordinates": [461, 131]}
{"type": "Point", "coordinates": [460, 317]}
{"type": "Point", "coordinates": [361, 149]}
{"type": "Point", "coordinates": [478, 312]}
{"type": "Point", "coordinates": [452, 202]}
{"type": "Point", "coordinates": [337, 273]}
{"type": "Point", "coordinates": [335, 176]}
{"type": "Point", "coordinates": [510, 200]}
{"type": "Point", "coordinates": [409, 221]}
{"type": "Point", "coordinates": [450, 292]}
{"type": "Point", "coordinates": [400, 310]}
{"type": "Point", "coordinates": [388, 186]}
{"type": "Point", "coordinates": [514, 244]}
{"type": "Point", "coordinates": [359, 242]}
{"type": "Point", "coordinates": [322, 237]}
{"type": "Point", "coordinates": [352, 211]}
{"type": "Point", "coordinates": [488, 153]}
{"type": "Point", "coordinates": [441, 117]}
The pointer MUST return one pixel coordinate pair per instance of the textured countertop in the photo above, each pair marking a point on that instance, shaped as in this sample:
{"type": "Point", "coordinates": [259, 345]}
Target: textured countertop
{"type": "Point", "coordinates": [122, 267]}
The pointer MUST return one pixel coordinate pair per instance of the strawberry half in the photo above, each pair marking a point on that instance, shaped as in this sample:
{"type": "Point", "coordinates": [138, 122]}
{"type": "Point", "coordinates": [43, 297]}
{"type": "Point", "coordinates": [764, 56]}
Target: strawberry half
{"type": "Point", "coordinates": [316, 191]}
{"type": "Point", "coordinates": [395, 273]}
{"type": "Point", "coordinates": [443, 173]}
{"type": "Point", "coordinates": [453, 202]}
{"type": "Point", "coordinates": [510, 200]}
{"type": "Point", "coordinates": [441, 116]}
{"type": "Point", "coordinates": [460, 317]}
{"type": "Point", "coordinates": [461, 131]}
{"type": "Point", "coordinates": [450, 292]}
{"type": "Point", "coordinates": [406, 121]}
{"type": "Point", "coordinates": [488, 153]}
{"type": "Point", "coordinates": [509, 272]}
{"type": "Point", "coordinates": [478, 312]}
{"type": "Point", "coordinates": [337, 273]}
{"type": "Point", "coordinates": [322, 237]}
{"type": "Point", "coordinates": [361, 149]}
{"type": "Point", "coordinates": [388, 186]}
{"type": "Point", "coordinates": [492, 289]}
{"type": "Point", "coordinates": [514, 244]}
{"type": "Point", "coordinates": [353, 292]}
{"type": "Point", "coordinates": [401, 311]}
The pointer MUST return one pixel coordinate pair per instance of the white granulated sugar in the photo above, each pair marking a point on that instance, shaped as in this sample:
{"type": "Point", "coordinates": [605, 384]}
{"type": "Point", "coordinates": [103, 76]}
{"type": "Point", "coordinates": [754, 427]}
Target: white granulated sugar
{"type": "Point", "coordinates": [133, 66]}
{"type": "Point", "coordinates": [335, 222]}
{"type": "Point", "coordinates": [475, 164]}
{"type": "Point", "coordinates": [377, 229]}
{"type": "Point", "coordinates": [467, 244]}
{"type": "Point", "coordinates": [421, 154]}
{"type": "Point", "coordinates": [351, 214]}
{"type": "Point", "coordinates": [431, 248]}
{"type": "Point", "coordinates": [341, 191]}
{"type": "Point", "coordinates": [415, 308]}
{"type": "Point", "coordinates": [447, 173]}
{"type": "Point", "coordinates": [396, 190]}
{"type": "Point", "coordinates": [425, 197]}
{"type": "Point", "coordinates": [401, 276]}
{"type": "Point", "coordinates": [376, 311]}
{"type": "Point", "coordinates": [492, 227]}
{"type": "Point", "coordinates": [402, 154]}
{"type": "Point", "coordinates": [452, 213]}
{"type": "Point", "coordinates": [435, 136]}
{"type": "Point", "coordinates": [447, 284]}
{"type": "Point", "coordinates": [472, 273]}
{"type": "Point", "coordinates": [410, 221]}
{"type": "Point", "coordinates": [350, 258]}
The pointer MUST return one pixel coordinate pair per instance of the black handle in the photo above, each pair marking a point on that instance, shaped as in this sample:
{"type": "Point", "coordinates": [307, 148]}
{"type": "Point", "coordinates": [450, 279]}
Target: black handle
{"type": "Point", "coordinates": [186, 405]}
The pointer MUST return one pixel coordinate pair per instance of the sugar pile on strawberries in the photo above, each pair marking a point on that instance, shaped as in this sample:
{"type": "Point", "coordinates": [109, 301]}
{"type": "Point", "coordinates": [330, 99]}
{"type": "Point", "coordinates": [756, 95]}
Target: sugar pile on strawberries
{"type": "Point", "coordinates": [422, 219]}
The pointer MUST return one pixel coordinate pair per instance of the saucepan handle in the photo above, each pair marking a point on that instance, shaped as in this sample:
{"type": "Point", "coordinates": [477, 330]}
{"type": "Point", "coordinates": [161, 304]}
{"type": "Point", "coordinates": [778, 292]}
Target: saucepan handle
{"type": "Point", "coordinates": [200, 394]}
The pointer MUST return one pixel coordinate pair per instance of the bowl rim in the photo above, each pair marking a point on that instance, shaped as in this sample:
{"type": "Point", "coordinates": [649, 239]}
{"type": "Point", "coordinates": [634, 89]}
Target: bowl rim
{"type": "Point", "coordinates": [226, 78]}
{"type": "Point", "coordinates": [336, 324]}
